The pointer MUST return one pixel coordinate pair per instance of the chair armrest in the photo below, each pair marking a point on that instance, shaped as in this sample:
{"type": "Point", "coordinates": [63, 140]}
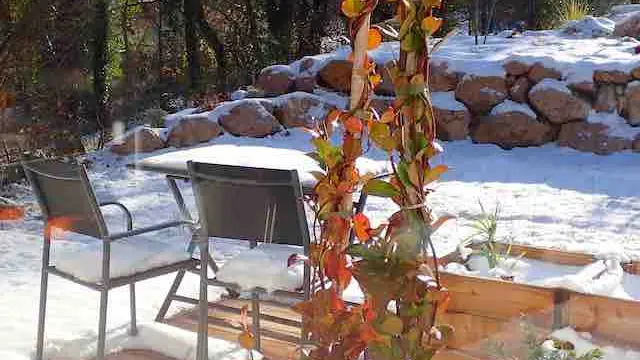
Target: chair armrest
{"type": "Point", "coordinates": [148, 229]}
{"type": "Point", "coordinates": [126, 211]}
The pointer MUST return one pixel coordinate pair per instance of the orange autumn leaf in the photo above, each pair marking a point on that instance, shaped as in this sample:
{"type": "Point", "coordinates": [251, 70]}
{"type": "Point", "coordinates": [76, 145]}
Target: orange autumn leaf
{"type": "Point", "coordinates": [375, 80]}
{"type": "Point", "coordinates": [11, 213]}
{"type": "Point", "coordinates": [361, 226]}
{"type": "Point", "coordinates": [431, 24]}
{"type": "Point", "coordinates": [388, 115]}
{"type": "Point", "coordinates": [374, 40]}
{"type": "Point", "coordinates": [432, 3]}
{"type": "Point", "coordinates": [353, 125]}
{"type": "Point", "coordinates": [333, 115]}
{"type": "Point", "coordinates": [351, 8]}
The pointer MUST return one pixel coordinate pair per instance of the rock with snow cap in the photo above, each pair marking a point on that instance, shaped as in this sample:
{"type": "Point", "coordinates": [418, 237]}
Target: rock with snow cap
{"type": "Point", "coordinates": [512, 124]}
{"type": "Point", "coordinates": [591, 137]}
{"type": "Point", "coordinates": [192, 130]}
{"type": "Point", "coordinates": [539, 72]}
{"type": "Point", "coordinates": [139, 140]}
{"type": "Point", "coordinates": [452, 117]}
{"type": "Point", "coordinates": [629, 25]}
{"type": "Point", "coordinates": [300, 109]}
{"type": "Point", "coordinates": [276, 80]}
{"type": "Point", "coordinates": [249, 118]}
{"type": "Point", "coordinates": [556, 103]}
{"type": "Point", "coordinates": [481, 93]}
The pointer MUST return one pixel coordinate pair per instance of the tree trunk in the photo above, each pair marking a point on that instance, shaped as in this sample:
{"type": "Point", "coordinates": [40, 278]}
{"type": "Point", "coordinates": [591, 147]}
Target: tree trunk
{"type": "Point", "coordinates": [192, 43]}
{"type": "Point", "coordinates": [100, 61]}
{"type": "Point", "coordinates": [212, 38]}
{"type": "Point", "coordinates": [280, 15]}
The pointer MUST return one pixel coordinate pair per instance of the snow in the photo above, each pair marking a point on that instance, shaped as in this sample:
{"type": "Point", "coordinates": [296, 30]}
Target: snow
{"type": "Point", "coordinates": [591, 26]}
{"type": "Point", "coordinates": [583, 344]}
{"type": "Point", "coordinates": [551, 197]}
{"type": "Point", "coordinates": [171, 119]}
{"type": "Point", "coordinates": [273, 274]}
{"type": "Point", "coordinates": [617, 125]}
{"type": "Point", "coordinates": [508, 106]}
{"type": "Point", "coordinates": [550, 84]}
{"type": "Point", "coordinates": [165, 339]}
{"type": "Point", "coordinates": [128, 256]}
{"type": "Point", "coordinates": [446, 101]}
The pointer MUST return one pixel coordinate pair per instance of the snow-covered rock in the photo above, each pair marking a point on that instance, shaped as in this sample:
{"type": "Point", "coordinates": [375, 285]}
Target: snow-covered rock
{"type": "Point", "coordinates": [555, 102]}
{"type": "Point", "coordinates": [591, 137]}
{"type": "Point", "coordinates": [539, 72]}
{"type": "Point", "coordinates": [481, 93]}
{"type": "Point", "coordinates": [248, 118]}
{"type": "Point", "coordinates": [628, 25]}
{"type": "Point", "coordinates": [452, 117]}
{"type": "Point", "coordinates": [519, 89]}
{"type": "Point", "coordinates": [511, 124]}
{"type": "Point", "coordinates": [516, 68]}
{"type": "Point", "coordinates": [276, 80]}
{"type": "Point", "coordinates": [632, 103]}
{"type": "Point", "coordinates": [238, 95]}
{"type": "Point", "coordinates": [441, 78]}
{"type": "Point", "coordinates": [606, 99]}
{"type": "Point", "coordinates": [591, 26]}
{"type": "Point", "coordinates": [336, 74]}
{"type": "Point", "coordinates": [193, 129]}
{"type": "Point", "coordinates": [300, 109]}
{"type": "Point", "coordinates": [141, 139]}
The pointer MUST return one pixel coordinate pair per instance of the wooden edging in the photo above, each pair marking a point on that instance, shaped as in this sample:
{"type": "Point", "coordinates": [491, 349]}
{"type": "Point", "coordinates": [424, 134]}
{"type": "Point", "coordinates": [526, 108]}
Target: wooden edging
{"type": "Point", "coordinates": [555, 256]}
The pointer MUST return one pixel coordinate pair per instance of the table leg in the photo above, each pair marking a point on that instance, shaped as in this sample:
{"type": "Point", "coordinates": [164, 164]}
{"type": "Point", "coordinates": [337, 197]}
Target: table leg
{"type": "Point", "coordinates": [203, 303]}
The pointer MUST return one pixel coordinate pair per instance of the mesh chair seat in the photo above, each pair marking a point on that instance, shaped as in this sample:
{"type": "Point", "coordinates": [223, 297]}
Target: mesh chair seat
{"type": "Point", "coordinates": [128, 257]}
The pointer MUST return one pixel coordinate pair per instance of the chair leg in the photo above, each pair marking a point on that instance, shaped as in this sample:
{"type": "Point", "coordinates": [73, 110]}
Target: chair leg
{"type": "Point", "coordinates": [132, 303]}
{"type": "Point", "coordinates": [255, 314]}
{"type": "Point", "coordinates": [203, 304]}
{"type": "Point", "coordinates": [44, 281]}
{"type": "Point", "coordinates": [102, 324]}
{"type": "Point", "coordinates": [173, 290]}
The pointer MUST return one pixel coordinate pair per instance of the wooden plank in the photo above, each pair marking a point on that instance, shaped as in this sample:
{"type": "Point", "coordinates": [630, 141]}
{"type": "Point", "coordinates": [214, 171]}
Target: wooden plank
{"type": "Point", "coordinates": [271, 348]}
{"type": "Point", "coordinates": [498, 299]}
{"type": "Point", "coordinates": [137, 355]}
{"type": "Point", "coordinates": [614, 320]}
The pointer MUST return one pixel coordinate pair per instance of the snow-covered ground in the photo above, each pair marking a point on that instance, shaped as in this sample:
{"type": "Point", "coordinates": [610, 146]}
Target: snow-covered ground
{"type": "Point", "coordinates": [550, 196]}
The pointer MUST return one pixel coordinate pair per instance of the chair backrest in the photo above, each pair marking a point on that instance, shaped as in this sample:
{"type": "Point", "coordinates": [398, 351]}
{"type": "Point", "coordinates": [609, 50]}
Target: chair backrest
{"type": "Point", "coordinates": [66, 197]}
{"type": "Point", "coordinates": [251, 204]}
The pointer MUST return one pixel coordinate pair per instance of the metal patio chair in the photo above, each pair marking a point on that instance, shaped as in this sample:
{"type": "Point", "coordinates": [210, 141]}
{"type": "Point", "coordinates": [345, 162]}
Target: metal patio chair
{"type": "Point", "coordinates": [244, 203]}
{"type": "Point", "coordinates": [67, 200]}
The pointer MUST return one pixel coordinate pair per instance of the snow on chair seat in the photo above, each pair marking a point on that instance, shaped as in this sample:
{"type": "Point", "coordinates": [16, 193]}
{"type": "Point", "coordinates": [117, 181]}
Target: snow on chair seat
{"type": "Point", "coordinates": [128, 257]}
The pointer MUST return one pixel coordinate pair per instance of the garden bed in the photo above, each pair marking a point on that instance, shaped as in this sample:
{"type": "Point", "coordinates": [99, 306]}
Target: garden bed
{"type": "Point", "coordinates": [484, 308]}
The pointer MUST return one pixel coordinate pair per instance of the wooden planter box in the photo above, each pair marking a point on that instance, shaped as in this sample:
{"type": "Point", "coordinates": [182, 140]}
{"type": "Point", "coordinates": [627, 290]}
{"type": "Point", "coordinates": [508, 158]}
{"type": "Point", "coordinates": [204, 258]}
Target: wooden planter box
{"type": "Point", "coordinates": [485, 308]}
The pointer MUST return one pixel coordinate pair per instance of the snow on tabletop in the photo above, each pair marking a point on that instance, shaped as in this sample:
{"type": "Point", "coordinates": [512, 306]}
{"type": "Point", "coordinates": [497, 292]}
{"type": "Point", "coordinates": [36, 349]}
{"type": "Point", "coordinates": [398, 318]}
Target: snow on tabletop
{"type": "Point", "coordinates": [508, 106]}
{"type": "Point", "coordinates": [265, 267]}
{"type": "Point", "coordinates": [583, 344]}
{"type": "Point", "coordinates": [617, 125]}
{"type": "Point", "coordinates": [446, 100]}
{"type": "Point", "coordinates": [550, 84]}
{"type": "Point", "coordinates": [165, 339]}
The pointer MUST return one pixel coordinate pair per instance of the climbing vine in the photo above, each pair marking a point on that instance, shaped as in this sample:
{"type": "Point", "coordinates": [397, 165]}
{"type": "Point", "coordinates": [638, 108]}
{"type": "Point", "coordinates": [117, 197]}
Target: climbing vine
{"type": "Point", "coordinates": [391, 262]}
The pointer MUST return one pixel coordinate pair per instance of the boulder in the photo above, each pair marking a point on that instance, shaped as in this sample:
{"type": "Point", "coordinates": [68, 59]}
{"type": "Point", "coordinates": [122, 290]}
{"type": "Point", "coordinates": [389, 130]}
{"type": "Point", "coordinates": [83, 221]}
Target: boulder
{"type": "Point", "coordinates": [192, 130]}
{"type": "Point", "coordinates": [635, 145]}
{"type": "Point", "coordinates": [632, 103]}
{"type": "Point", "coordinates": [276, 80]}
{"type": "Point", "coordinates": [590, 137]}
{"type": "Point", "coordinates": [336, 74]}
{"type": "Point", "coordinates": [611, 77]}
{"type": "Point", "coordinates": [628, 26]}
{"type": "Point", "coordinates": [519, 90]}
{"type": "Point", "coordinates": [606, 100]}
{"type": "Point", "coordinates": [306, 64]}
{"type": "Point", "coordinates": [301, 110]}
{"type": "Point", "coordinates": [249, 118]}
{"type": "Point", "coordinates": [585, 88]}
{"type": "Point", "coordinates": [481, 93]}
{"type": "Point", "coordinates": [538, 72]}
{"type": "Point", "coordinates": [635, 73]}
{"type": "Point", "coordinates": [305, 83]}
{"type": "Point", "coordinates": [452, 117]}
{"type": "Point", "coordinates": [555, 102]}
{"type": "Point", "coordinates": [510, 125]}
{"type": "Point", "coordinates": [516, 68]}
{"type": "Point", "coordinates": [139, 140]}
{"type": "Point", "coordinates": [440, 78]}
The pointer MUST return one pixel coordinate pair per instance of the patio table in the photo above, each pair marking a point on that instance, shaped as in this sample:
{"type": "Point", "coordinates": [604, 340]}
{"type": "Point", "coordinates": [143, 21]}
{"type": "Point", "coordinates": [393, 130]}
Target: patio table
{"type": "Point", "coordinates": [174, 166]}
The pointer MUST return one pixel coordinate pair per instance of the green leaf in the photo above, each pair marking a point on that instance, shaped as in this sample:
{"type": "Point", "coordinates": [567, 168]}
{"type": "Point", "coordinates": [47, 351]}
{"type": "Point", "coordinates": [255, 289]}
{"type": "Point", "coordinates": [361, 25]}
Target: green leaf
{"type": "Point", "coordinates": [403, 174]}
{"type": "Point", "coordinates": [380, 188]}
{"type": "Point", "coordinates": [381, 136]}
